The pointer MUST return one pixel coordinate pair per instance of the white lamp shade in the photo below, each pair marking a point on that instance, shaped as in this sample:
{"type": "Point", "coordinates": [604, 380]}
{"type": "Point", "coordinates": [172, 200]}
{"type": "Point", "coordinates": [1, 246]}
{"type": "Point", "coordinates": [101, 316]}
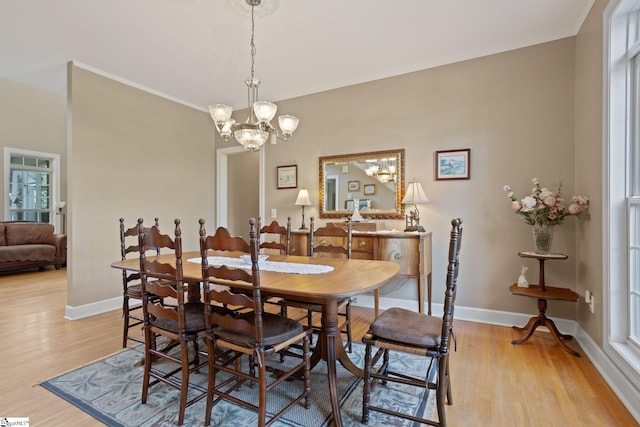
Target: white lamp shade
{"type": "Point", "coordinates": [220, 112]}
{"type": "Point", "coordinates": [288, 123]}
{"type": "Point", "coordinates": [303, 198]}
{"type": "Point", "coordinates": [265, 111]}
{"type": "Point", "coordinates": [226, 126]}
{"type": "Point", "coordinates": [415, 194]}
{"type": "Point", "coordinates": [251, 139]}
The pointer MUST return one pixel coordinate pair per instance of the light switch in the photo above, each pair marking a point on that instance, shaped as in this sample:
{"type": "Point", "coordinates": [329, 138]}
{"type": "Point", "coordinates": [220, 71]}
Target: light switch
{"type": "Point", "coordinates": [274, 213]}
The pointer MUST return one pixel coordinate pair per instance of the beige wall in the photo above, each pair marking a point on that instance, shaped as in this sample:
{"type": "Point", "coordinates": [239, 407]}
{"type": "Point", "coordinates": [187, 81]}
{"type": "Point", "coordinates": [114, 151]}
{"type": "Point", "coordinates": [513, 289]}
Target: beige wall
{"type": "Point", "coordinates": [515, 110]}
{"type": "Point", "coordinates": [32, 119]}
{"type": "Point", "coordinates": [588, 160]}
{"type": "Point", "coordinates": [132, 154]}
{"type": "Point", "coordinates": [242, 192]}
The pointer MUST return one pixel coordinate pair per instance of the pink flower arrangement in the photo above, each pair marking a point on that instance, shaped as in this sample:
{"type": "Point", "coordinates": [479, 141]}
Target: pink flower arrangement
{"type": "Point", "coordinates": [543, 207]}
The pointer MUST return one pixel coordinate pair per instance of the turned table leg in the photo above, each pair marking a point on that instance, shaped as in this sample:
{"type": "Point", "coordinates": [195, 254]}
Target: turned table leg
{"type": "Point", "coordinates": [542, 320]}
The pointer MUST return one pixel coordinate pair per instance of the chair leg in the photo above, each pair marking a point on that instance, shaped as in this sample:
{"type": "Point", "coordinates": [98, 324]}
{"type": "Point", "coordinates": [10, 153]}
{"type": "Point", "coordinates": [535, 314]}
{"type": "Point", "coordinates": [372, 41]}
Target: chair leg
{"type": "Point", "coordinates": [125, 315]}
{"type": "Point", "coordinates": [367, 384]}
{"type": "Point", "coordinates": [184, 385]}
{"type": "Point", "coordinates": [441, 389]}
{"type": "Point", "coordinates": [449, 393]}
{"type": "Point", "coordinates": [306, 374]}
{"type": "Point", "coordinates": [262, 399]}
{"type": "Point", "coordinates": [149, 338]}
{"type": "Point", "coordinates": [211, 379]}
{"type": "Point", "coordinates": [348, 315]}
{"type": "Point", "coordinates": [310, 324]}
{"type": "Point", "coordinates": [196, 357]}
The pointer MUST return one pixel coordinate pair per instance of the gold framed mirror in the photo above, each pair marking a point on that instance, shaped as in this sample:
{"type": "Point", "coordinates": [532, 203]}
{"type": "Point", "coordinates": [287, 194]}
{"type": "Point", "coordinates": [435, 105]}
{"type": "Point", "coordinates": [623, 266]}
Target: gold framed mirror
{"type": "Point", "coordinates": [374, 179]}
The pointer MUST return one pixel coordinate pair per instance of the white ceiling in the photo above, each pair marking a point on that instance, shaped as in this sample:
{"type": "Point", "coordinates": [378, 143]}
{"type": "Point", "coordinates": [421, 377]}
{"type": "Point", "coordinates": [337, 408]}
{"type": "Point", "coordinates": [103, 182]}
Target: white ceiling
{"type": "Point", "coordinates": [197, 51]}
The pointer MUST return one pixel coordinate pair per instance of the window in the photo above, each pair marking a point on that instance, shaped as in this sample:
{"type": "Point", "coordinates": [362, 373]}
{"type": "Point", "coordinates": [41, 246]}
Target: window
{"type": "Point", "coordinates": [622, 187]}
{"type": "Point", "coordinates": [30, 187]}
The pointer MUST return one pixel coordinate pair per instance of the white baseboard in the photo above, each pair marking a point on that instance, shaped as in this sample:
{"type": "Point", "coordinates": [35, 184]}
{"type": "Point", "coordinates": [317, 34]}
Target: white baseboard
{"type": "Point", "coordinates": [492, 317]}
{"type": "Point", "coordinates": [624, 389]}
{"type": "Point", "coordinates": [628, 394]}
{"type": "Point", "coordinates": [98, 307]}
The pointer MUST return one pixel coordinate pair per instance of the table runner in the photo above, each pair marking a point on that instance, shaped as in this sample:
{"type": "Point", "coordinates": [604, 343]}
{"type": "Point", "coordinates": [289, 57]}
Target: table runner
{"type": "Point", "coordinates": [277, 266]}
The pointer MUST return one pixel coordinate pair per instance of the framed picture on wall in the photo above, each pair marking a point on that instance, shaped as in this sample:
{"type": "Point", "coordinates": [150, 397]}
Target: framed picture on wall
{"type": "Point", "coordinates": [369, 189]}
{"type": "Point", "coordinates": [353, 186]}
{"type": "Point", "coordinates": [453, 164]}
{"type": "Point", "coordinates": [287, 176]}
{"type": "Point", "coordinates": [363, 204]}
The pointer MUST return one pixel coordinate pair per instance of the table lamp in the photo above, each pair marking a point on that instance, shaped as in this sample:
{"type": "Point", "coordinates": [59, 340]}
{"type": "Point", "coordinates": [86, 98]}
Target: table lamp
{"type": "Point", "coordinates": [59, 207]}
{"type": "Point", "coordinates": [303, 200]}
{"type": "Point", "coordinates": [414, 195]}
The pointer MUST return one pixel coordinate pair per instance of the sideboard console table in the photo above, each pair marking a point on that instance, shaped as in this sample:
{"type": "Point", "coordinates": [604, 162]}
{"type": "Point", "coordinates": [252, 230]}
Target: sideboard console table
{"type": "Point", "coordinates": [411, 250]}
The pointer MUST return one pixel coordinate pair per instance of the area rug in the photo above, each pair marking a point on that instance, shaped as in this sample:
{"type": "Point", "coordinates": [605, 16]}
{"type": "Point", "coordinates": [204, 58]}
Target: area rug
{"type": "Point", "coordinates": [109, 390]}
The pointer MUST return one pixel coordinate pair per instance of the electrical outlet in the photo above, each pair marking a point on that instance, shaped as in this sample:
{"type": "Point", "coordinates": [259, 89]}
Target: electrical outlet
{"type": "Point", "coordinates": [274, 213]}
{"type": "Point", "coordinates": [589, 299]}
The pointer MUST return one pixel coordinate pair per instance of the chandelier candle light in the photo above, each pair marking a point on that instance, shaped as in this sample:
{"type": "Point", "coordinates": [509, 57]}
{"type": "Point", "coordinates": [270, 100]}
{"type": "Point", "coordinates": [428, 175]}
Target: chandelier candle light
{"type": "Point", "coordinates": [544, 209]}
{"type": "Point", "coordinates": [255, 131]}
{"type": "Point", "coordinates": [303, 200]}
{"type": "Point", "coordinates": [414, 195]}
{"type": "Point", "coordinates": [384, 170]}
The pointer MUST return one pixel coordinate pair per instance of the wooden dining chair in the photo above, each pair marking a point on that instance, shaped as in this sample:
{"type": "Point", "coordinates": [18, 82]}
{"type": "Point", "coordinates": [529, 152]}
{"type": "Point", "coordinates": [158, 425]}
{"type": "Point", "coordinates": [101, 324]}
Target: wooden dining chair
{"type": "Point", "coordinates": [181, 323]}
{"type": "Point", "coordinates": [329, 241]}
{"type": "Point", "coordinates": [405, 331]}
{"type": "Point", "coordinates": [275, 237]}
{"type": "Point", "coordinates": [131, 289]}
{"type": "Point", "coordinates": [252, 333]}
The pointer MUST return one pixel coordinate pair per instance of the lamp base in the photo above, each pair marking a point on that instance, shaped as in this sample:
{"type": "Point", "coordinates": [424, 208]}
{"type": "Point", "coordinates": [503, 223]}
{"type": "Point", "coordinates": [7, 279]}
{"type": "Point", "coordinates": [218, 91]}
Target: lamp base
{"type": "Point", "coordinates": [415, 228]}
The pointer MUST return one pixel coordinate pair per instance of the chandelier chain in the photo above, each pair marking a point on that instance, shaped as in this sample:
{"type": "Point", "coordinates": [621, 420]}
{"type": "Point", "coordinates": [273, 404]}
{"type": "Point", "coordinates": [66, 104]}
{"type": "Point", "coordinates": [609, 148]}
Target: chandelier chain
{"type": "Point", "coordinates": [253, 45]}
{"type": "Point", "coordinates": [253, 133]}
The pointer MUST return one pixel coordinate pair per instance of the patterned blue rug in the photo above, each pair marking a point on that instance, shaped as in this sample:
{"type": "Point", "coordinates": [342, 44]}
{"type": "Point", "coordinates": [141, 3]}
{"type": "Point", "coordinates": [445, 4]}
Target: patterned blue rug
{"type": "Point", "coordinates": [109, 390]}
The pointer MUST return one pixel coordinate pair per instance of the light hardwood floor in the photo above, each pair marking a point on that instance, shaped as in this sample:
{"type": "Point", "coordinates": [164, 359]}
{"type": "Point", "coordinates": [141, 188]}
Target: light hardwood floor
{"type": "Point", "coordinates": [493, 382]}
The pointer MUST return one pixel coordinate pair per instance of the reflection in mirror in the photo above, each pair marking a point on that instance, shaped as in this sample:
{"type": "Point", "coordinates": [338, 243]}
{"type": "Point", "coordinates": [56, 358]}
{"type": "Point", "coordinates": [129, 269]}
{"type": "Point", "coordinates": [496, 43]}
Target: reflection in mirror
{"type": "Point", "coordinates": [374, 179]}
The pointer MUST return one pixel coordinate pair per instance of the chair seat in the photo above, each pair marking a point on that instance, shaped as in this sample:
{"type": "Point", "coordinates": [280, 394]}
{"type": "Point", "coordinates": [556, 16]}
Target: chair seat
{"type": "Point", "coordinates": [276, 329]}
{"type": "Point", "coordinates": [134, 291]}
{"type": "Point", "coordinates": [194, 316]}
{"type": "Point", "coordinates": [408, 327]}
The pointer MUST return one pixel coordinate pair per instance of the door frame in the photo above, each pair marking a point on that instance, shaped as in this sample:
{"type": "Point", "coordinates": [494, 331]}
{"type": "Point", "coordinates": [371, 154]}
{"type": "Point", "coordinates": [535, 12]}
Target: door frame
{"type": "Point", "coordinates": [222, 155]}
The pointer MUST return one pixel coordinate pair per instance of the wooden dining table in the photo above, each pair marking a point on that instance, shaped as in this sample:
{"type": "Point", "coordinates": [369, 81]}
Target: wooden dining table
{"type": "Point", "coordinates": [349, 277]}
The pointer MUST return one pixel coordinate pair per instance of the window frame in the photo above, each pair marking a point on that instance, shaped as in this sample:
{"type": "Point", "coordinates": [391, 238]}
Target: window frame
{"type": "Point", "coordinates": [620, 137]}
{"type": "Point", "coordinates": [54, 199]}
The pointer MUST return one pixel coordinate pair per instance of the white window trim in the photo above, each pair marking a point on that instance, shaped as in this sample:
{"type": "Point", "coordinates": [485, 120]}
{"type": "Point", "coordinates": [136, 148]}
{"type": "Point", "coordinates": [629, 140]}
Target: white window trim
{"type": "Point", "coordinates": [616, 133]}
{"type": "Point", "coordinates": [55, 172]}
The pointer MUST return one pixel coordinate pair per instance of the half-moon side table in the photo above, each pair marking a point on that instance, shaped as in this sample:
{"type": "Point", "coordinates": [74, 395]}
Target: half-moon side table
{"type": "Point", "coordinates": [544, 293]}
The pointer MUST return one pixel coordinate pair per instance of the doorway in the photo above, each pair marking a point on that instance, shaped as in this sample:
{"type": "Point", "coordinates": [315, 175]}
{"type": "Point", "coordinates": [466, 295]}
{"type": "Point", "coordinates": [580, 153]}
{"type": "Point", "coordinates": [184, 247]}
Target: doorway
{"type": "Point", "coordinates": [239, 189]}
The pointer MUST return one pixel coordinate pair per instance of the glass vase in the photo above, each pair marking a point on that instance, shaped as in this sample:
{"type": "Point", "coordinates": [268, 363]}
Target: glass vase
{"type": "Point", "coordinates": [542, 238]}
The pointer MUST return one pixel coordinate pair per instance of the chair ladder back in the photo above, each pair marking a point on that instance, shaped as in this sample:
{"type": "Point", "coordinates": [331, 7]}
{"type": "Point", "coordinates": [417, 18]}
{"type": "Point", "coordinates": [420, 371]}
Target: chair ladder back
{"type": "Point", "coordinates": [225, 275]}
{"type": "Point", "coordinates": [133, 232]}
{"type": "Point", "coordinates": [332, 232]}
{"type": "Point", "coordinates": [222, 240]}
{"type": "Point", "coordinates": [282, 232]}
{"type": "Point", "coordinates": [452, 285]}
{"type": "Point", "coordinates": [172, 275]}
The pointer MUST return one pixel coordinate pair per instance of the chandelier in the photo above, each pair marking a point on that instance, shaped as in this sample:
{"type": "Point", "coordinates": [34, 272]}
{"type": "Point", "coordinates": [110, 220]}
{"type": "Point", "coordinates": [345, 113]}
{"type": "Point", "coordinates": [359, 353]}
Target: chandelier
{"type": "Point", "coordinates": [255, 131]}
{"type": "Point", "coordinates": [383, 171]}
